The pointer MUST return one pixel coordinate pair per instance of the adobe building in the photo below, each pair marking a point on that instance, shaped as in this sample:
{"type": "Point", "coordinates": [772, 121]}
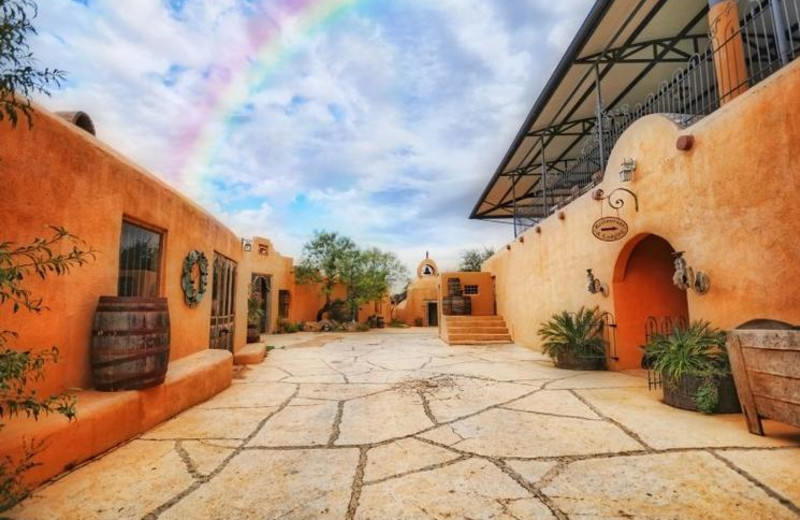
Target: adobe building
{"type": "Point", "coordinates": [421, 306]}
{"type": "Point", "coordinates": [656, 176]}
{"type": "Point", "coordinates": [150, 241]}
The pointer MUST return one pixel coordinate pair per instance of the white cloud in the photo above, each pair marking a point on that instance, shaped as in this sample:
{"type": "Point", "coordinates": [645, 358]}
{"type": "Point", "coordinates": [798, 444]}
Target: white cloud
{"type": "Point", "coordinates": [385, 125]}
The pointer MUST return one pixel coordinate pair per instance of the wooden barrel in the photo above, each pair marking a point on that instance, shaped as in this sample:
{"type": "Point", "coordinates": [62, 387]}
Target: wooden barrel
{"type": "Point", "coordinates": [130, 343]}
{"type": "Point", "coordinates": [457, 306]}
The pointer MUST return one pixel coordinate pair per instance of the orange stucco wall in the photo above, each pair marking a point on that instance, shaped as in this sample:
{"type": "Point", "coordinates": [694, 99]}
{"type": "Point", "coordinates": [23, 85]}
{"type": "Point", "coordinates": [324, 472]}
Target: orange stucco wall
{"type": "Point", "coordinates": [414, 309]}
{"type": "Point", "coordinates": [264, 260]}
{"type": "Point", "coordinates": [58, 174]}
{"type": "Point", "coordinates": [731, 203]}
{"type": "Point", "coordinates": [483, 302]}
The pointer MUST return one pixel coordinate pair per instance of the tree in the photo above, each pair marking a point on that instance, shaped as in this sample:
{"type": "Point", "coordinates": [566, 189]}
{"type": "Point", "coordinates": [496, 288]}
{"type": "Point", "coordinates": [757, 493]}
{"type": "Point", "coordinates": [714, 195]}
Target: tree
{"type": "Point", "coordinates": [369, 275]}
{"type": "Point", "coordinates": [19, 368]}
{"type": "Point", "coordinates": [473, 259]}
{"type": "Point", "coordinates": [20, 78]}
{"type": "Point", "coordinates": [323, 261]}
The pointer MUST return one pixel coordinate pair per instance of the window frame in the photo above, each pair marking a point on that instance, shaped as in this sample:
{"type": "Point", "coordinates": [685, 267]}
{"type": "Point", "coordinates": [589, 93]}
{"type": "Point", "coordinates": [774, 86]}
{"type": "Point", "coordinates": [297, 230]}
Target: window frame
{"type": "Point", "coordinates": [160, 262]}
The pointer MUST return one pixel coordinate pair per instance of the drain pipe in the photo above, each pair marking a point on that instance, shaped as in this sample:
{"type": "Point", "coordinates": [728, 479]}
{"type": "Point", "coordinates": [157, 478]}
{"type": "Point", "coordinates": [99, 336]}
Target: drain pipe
{"type": "Point", "coordinates": [728, 48]}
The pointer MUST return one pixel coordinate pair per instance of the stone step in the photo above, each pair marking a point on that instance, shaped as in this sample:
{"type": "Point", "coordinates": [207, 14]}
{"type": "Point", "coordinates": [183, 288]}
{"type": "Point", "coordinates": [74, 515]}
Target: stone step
{"type": "Point", "coordinates": [477, 329]}
{"type": "Point", "coordinates": [455, 338]}
{"type": "Point", "coordinates": [477, 322]}
{"type": "Point", "coordinates": [474, 318]}
{"type": "Point", "coordinates": [466, 343]}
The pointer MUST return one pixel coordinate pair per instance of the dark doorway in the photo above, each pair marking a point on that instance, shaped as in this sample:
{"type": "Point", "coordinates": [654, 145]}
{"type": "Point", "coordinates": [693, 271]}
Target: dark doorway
{"type": "Point", "coordinates": [643, 289]}
{"type": "Point", "coordinates": [262, 289]}
{"type": "Point", "coordinates": [433, 314]}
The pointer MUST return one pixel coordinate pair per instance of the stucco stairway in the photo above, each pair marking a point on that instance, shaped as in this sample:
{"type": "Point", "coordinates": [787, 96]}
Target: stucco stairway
{"type": "Point", "coordinates": [476, 330]}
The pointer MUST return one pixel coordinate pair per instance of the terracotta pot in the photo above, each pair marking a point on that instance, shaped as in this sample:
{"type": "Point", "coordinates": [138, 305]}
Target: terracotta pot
{"type": "Point", "coordinates": [680, 394]}
{"type": "Point", "coordinates": [578, 361]}
{"type": "Point", "coordinates": [253, 336]}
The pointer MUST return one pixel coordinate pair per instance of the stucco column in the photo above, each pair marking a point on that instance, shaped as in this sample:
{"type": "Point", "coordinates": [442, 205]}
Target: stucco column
{"type": "Point", "coordinates": [729, 64]}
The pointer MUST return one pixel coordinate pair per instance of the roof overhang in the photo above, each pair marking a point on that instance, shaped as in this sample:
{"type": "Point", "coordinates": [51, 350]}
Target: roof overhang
{"type": "Point", "coordinates": [631, 47]}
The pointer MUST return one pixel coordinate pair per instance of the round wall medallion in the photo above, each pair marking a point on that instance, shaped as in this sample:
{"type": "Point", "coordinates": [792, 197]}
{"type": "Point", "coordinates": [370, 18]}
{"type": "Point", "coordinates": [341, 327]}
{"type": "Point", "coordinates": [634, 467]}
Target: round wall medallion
{"type": "Point", "coordinates": [610, 229]}
{"type": "Point", "coordinates": [195, 277]}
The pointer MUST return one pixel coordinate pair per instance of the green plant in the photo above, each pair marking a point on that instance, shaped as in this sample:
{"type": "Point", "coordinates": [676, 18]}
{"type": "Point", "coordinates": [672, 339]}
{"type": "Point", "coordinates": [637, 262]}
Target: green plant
{"type": "Point", "coordinates": [362, 327]}
{"type": "Point", "coordinates": [19, 76]}
{"type": "Point", "coordinates": [20, 369]}
{"type": "Point", "coordinates": [255, 310]}
{"type": "Point", "coordinates": [698, 351]}
{"type": "Point", "coordinates": [397, 324]}
{"type": "Point", "coordinates": [578, 333]}
{"type": "Point", "coordinates": [473, 259]}
{"type": "Point", "coordinates": [418, 322]}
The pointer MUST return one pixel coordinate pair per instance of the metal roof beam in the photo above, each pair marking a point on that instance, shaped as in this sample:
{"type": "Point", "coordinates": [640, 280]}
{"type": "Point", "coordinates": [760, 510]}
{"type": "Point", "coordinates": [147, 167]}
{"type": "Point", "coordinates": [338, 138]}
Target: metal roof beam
{"type": "Point", "coordinates": [649, 51]}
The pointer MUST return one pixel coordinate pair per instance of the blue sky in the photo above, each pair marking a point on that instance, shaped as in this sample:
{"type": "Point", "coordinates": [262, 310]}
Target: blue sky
{"type": "Point", "coordinates": [384, 125]}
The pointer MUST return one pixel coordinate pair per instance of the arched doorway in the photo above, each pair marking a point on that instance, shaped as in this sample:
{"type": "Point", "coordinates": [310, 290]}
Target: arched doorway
{"type": "Point", "coordinates": [261, 287]}
{"type": "Point", "coordinates": [644, 293]}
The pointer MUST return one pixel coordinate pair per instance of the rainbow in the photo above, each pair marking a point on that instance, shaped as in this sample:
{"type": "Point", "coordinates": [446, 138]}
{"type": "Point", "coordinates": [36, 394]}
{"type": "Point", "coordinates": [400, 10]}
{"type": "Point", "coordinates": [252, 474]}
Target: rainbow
{"type": "Point", "coordinates": [230, 91]}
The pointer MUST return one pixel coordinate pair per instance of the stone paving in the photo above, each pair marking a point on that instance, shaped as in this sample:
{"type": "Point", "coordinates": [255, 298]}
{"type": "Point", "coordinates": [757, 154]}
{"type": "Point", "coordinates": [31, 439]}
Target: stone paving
{"type": "Point", "coordinates": [397, 425]}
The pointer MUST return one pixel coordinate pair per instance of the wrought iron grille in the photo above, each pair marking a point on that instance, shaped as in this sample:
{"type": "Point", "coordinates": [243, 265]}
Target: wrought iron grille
{"type": "Point", "coordinates": [770, 34]}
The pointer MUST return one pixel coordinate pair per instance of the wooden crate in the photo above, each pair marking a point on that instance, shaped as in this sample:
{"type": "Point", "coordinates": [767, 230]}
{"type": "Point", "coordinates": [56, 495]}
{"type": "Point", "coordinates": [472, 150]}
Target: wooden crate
{"type": "Point", "coordinates": [766, 368]}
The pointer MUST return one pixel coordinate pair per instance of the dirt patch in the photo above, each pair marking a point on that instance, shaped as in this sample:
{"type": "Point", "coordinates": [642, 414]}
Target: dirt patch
{"type": "Point", "coordinates": [428, 385]}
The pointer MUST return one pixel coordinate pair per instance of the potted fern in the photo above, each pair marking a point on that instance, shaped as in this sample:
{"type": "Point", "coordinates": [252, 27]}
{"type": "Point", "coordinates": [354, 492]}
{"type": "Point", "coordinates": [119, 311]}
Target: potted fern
{"type": "Point", "coordinates": [574, 340]}
{"type": "Point", "coordinates": [694, 368]}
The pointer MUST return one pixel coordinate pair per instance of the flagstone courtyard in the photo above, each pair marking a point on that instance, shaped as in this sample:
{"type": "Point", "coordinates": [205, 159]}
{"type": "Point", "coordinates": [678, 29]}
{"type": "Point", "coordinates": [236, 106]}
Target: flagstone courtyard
{"type": "Point", "coordinates": [395, 424]}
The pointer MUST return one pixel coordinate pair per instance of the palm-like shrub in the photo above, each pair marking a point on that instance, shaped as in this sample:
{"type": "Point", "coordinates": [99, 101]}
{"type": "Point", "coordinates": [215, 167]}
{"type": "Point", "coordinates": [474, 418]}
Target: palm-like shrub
{"type": "Point", "coordinates": [574, 333]}
{"type": "Point", "coordinates": [697, 351]}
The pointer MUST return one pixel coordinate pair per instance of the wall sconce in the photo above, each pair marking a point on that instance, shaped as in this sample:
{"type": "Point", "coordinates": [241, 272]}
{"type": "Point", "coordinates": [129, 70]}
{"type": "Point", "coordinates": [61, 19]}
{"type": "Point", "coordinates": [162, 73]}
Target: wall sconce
{"type": "Point", "coordinates": [247, 245]}
{"type": "Point", "coordinates": [686, 278]}
{"type": "Point", "coordinates": [595, 286]}
{"type": "Point", "coordinates": [628, 167]}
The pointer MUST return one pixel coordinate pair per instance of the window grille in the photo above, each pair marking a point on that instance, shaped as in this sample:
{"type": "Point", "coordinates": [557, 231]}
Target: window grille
{"type": "Point", "coordinates": [470, 290]}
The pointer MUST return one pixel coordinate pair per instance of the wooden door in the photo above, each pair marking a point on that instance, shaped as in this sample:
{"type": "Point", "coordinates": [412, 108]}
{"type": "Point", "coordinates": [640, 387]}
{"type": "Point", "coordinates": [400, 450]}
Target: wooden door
{"type": "Point", "coordinates": [223, 303]}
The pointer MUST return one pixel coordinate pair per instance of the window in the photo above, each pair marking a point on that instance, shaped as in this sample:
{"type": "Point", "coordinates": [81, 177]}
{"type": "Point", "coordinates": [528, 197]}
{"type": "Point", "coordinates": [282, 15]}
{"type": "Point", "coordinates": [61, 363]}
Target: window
{"type": "Point", "coordinates": [471, 289]}
{"type": "Point", "coordinates": [139, 261]}
{"type": "Point", "coordinates": [283, 304]}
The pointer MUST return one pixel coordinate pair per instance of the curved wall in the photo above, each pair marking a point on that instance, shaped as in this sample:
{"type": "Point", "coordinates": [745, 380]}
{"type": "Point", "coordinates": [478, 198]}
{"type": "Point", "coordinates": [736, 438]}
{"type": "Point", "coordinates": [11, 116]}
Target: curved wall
{"type": "Point", "coordinates": [731, 203]}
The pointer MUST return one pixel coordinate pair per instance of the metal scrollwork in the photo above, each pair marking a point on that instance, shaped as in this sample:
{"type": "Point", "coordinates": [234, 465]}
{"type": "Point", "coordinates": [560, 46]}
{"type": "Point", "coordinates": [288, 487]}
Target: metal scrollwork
{"type": "Point", "coordinates": [616, 201]}
{"type": "Point", "coordinates": [195, 277]}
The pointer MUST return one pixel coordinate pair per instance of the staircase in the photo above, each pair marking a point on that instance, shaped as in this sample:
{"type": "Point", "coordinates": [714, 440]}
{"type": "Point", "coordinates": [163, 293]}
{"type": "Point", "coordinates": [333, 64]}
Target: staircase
{"type": "Point", "coordinates": [475, 330]}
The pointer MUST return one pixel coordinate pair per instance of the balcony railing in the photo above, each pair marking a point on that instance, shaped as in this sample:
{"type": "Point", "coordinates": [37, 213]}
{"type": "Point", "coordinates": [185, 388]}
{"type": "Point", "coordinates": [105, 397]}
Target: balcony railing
{"type": "Point", "coordinates": [770, 38]}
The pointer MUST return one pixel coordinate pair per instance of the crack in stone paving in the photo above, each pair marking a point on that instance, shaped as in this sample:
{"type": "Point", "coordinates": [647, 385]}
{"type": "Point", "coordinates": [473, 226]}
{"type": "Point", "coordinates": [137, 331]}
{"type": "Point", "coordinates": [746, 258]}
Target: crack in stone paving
{"type": "Point", "coordinates": [630, 433]}
{"type": "Point", "coordinates": [791, 506]}
{"type": "Point", "coordinates": [548, 414]}
{"type": "Point", "coordinates": [337, 424]}
{"type": "Point", "coordinates": [358, 483]}
{"type": "Point", "coordinates": [153, 515]}
{"type": "Point", "coordinates": [187, 461]}
{"type": "Point", "coordinates": [530, 487]}
{"type": "Point", "coordinates": [431, 467]}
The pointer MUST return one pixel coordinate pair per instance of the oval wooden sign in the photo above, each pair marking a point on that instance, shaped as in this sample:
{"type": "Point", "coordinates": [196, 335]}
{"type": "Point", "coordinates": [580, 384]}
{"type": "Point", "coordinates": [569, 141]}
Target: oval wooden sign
{"type": "Point", "coordinates": [610, 229]}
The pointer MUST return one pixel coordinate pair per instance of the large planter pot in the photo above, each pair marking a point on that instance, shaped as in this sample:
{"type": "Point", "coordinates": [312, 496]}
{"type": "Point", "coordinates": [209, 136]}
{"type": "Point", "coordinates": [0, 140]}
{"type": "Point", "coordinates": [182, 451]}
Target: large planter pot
{"type": "Point", "coordinates": [130, 343]}
{"type": "Point", "coordinates": [253, 335]}
{"type": "Point", "coordinates": [579, 361]}
{"type": "Point", "coordinates": [680, 394]}
{"type": "Point", "coordinates": [766, 366]}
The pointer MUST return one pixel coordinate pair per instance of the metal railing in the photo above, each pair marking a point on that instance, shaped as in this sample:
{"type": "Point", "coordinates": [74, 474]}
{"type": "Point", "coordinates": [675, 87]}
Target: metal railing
{"type": "Point", "coordinates": [768, 38]}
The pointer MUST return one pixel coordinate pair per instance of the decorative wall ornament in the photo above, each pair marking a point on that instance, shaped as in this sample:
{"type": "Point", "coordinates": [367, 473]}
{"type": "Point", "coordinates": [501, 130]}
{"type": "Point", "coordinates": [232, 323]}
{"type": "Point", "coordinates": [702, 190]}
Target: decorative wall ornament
{"type": "Point", "coordinates": [610, 229]}
{"type": "Point", "coordinates": [195, 277]}
{"type": "Point", "coordinates": [628, 169]}
{"type": "Point", "coordinates": [595, 286]}
{"type": "Point", "coordinates": [247, 245]}
{"type": "Point", "coordinates": [686, 277]}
